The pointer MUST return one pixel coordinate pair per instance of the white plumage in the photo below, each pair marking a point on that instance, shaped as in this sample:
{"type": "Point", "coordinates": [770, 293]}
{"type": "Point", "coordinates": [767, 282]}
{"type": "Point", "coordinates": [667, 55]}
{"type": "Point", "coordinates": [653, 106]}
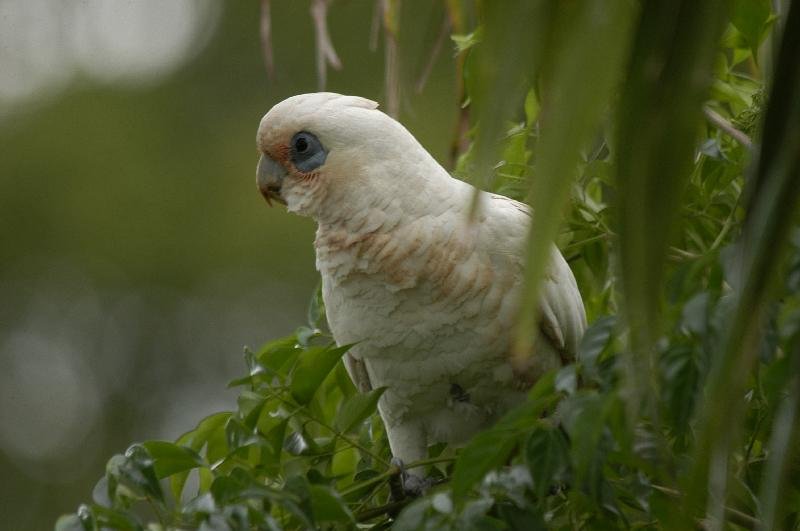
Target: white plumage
{"type": "Point", "coordinates": [428, 297]}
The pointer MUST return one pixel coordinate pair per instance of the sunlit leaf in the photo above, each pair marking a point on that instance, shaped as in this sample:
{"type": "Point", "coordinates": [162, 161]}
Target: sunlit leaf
{"type": "Point", "coordinates": [750, 17]}
{"type": "Point", "coordinates": [357, 408]}
{"type": "Point", "coordinates": [70, 522]}
{"type": "Point", "coordinates": [137, 471]}
{"type": "Point", "coordinates": [313, 366]}
{"type": "Point", "coordinates": [328, 506]}
{"type": "Point", "coordinates": [170, 458]}
{"type": "Point", "coordinates": [275, 354]}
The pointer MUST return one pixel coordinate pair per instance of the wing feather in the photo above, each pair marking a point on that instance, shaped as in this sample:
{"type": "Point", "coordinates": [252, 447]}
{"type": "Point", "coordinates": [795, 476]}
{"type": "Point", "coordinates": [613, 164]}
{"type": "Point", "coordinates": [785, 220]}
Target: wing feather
{"type": "Point", "coordinates": [358, 373]}
{"type": "Point", "coordinates": [563, 318]}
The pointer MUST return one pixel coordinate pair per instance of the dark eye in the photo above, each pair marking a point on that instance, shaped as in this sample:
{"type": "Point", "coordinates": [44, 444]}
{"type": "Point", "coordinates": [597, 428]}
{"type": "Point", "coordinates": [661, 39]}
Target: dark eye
{"type": "Point", "coordinates": [308, 154]}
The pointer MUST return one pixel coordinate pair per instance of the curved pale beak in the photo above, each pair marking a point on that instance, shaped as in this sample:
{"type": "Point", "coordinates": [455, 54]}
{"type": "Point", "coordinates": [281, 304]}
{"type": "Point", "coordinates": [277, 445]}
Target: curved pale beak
{"type": "Point", "coordinates": [269, 177]}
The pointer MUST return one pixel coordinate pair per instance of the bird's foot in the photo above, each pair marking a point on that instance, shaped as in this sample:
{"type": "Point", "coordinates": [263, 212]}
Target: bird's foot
{"type": "Point", "coordinates": [409, 485]}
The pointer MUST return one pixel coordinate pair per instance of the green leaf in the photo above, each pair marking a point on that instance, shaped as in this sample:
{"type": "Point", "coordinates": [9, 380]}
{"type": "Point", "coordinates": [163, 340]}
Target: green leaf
{"type": "Point", "coordinates": [70, 522]}
{"type": "Point", "coordinates": [681, 377]}
{"type": "Point", "coordinates": [238, 435]}
{"type": "Point", "coordinates": [496, 80]}
{"type": "Point", "coordinates": [595, 340]}
{"type": "Point", "coordinates": [414, 516]}
{"type": "Point", "coordinates": [751, 18]}
{"type": "Point", "coordinates": [226, 489]}
{"type": "Point", "coordinates": [356, 409]}
{"type": "Point", "coordinates": [113, 519]}
{"type": "Point", "coordinates": [132, 475]}
{"type": "Point", "coordinates": [532, 108]}
{"type": "Point", "coordinates": [491, 448]}
{"type": "Point", "coordinates": [273, 428]}
{"type": "Point", "coordinates": [250, 407]}
{"type": "Point", "coordinates": [547, 456]}
{"type": "Point", "coordinates": [328, 506]}
{"type": "Point", "coordinates": [584, 418]}
{"type": "Point", "coordinates": [196, 438]}
{"type": "Point", "coordinates": [774, 193]}
{"type": "Point", "coordinates": [467, 41]}
{"type": "Point", "coordinates": [274, 354]}
{"type": "Point", "coordinates": [343, 465]}
{"type": "Point", "coordinates": [658, 122]}
{"type": "Point", "coordinates": [312, 367]}
{"type": "Point", "coordinates": [201, 504]}
{"type": "Point", "coordinates": [544, 387]}
{"type": "Point", "coordinates": [584, 47]}
{"type": "Point", "coordinates": [170, 458]}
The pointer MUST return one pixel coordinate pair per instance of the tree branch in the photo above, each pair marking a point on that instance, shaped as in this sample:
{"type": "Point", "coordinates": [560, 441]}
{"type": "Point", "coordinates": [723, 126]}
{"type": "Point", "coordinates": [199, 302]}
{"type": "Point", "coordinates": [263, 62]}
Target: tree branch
{"type": "Point", "coordinates": [726, 127]}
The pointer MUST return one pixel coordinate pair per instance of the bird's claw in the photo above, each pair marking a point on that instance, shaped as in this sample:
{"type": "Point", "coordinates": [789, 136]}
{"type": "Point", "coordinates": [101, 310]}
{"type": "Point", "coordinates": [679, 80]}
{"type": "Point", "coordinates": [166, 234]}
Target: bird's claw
{"type": "Point", "coordinates": [410, 485]}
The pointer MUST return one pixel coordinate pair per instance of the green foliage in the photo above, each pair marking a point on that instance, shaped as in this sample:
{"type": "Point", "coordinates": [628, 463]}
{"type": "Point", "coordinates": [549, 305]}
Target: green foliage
{"type": "Point", "coordinates": [681, 406]}
{"type": "Point", "coordinates": [300, 451]}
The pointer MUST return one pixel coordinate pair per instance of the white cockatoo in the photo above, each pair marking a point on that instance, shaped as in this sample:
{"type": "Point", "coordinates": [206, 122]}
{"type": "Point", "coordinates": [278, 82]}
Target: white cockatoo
{"type": "Point", "coordinates": [427, 295]}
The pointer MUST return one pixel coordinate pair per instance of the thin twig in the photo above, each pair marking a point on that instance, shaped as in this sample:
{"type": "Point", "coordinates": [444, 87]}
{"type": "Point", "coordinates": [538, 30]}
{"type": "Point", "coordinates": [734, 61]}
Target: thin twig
{"type": "Point", "coordinates": [369, 514]}
{"type": "Point", "coordinates": [345, 438]}
{"type": "Point", "coordinates": [326, 54]}
{"type": "Point", "coordinates": [394, 471]}
{"type": "Point", "coordinates": [726, 227]}
{"type": "Point", "coordinates": [389, 508]}
{"type": "Point", "coordinates": [265, 27]}
{"type": "Point", "coordinates": [726, 127]}
{"type": "Point", "coordinates": [585, 241]}
{"type": "Point", "coordinates": [444, 31]}
{"type": "Point", "coordinates": [682, 254]}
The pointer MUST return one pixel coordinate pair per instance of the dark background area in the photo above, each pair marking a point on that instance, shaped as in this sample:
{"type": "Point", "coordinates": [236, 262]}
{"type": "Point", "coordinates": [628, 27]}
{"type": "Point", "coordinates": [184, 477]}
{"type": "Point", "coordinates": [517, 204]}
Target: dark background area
{"type": "Point", "coordinates": [136, 256]}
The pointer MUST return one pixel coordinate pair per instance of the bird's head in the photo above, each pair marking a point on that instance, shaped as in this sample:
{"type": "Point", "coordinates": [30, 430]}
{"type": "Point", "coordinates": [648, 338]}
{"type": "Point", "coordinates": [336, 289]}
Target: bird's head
{"type": "Point", "coordinates": [326, 154]}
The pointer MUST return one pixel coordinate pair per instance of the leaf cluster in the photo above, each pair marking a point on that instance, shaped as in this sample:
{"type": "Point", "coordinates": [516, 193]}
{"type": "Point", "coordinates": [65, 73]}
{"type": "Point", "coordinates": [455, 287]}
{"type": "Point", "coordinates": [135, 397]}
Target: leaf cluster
{"type": "Point", "coordinates": [680, 408]}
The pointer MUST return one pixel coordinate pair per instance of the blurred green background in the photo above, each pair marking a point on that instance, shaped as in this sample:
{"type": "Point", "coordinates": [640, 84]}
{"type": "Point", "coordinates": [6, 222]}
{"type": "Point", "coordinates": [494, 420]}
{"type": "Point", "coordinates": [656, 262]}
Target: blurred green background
{"type": "Point", "coordinates": [136, 256]}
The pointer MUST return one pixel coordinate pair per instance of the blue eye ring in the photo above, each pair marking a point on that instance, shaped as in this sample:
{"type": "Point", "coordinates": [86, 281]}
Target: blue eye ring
{"type": "Point", "coordinates": [307, 152]}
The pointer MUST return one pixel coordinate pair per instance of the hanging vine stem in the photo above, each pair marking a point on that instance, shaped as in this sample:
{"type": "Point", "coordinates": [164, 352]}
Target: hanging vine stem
{"type": "Point", "coordinates": [391, 26]}
{"type": "Point", "coordinates": [375, 26]}
{"type": "Point", "coordinates": [460, 141]}
{"type": "Point", "coordinates": [326, 53]}
{"type": "Point", "coordinates": [265, 30]}
{"type": "Point", "coordinates": [436, 49]}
